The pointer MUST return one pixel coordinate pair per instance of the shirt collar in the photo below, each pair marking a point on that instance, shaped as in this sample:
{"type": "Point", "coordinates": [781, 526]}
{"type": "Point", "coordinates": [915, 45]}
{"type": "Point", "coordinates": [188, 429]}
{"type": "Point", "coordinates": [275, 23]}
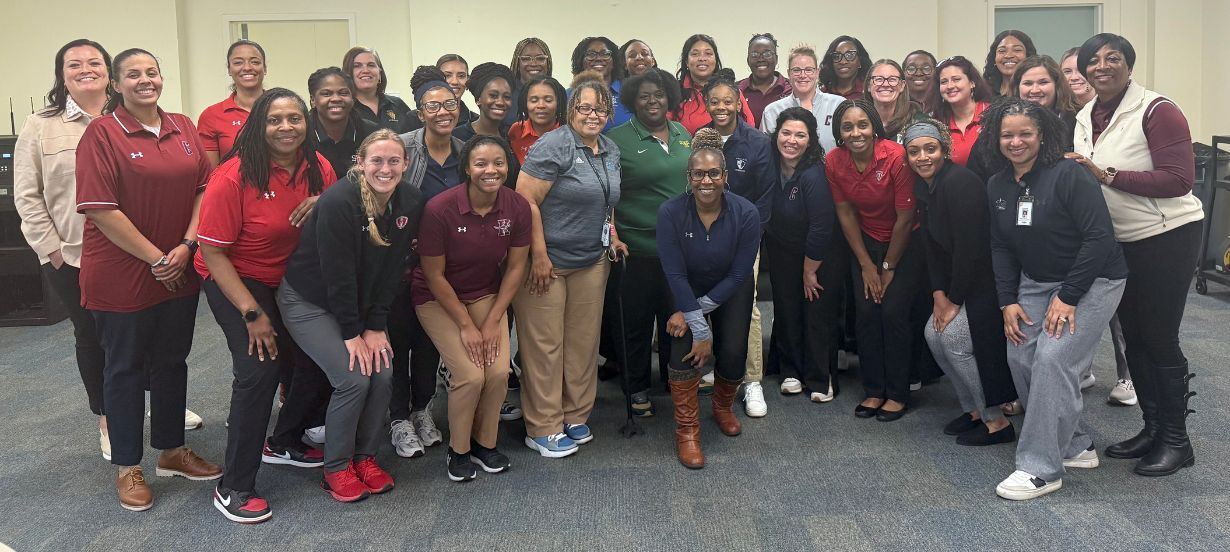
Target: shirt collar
{"type": "Point", "coordinates": [525, 129]}
{"type": "Point", "coordinates": [979, 108]}
{"type": "Point", "coordinates": [579, 144]}
{"type": "Point", "coordinates": [229, 104]}
{"type": "Point", "coordinates": [644, 133]}
{"type": "Point", "coordinates": [463, 201]}
{"type": "Point", "coordinates": [131, 125]}
{"type": "Point", "coordinates": [779, 82]}
{"type": "Point", "coordinates": [323, 138]}
{"type": "Point", "coordinates": [72, 111]}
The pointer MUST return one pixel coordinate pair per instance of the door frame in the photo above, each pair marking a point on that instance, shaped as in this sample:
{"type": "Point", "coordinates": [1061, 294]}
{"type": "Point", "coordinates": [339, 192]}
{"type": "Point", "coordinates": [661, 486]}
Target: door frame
{"type": "Point", "coordinates": [230, 19]}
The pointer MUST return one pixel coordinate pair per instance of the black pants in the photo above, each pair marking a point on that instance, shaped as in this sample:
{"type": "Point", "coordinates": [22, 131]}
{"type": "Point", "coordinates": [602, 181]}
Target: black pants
{"type": "Point", "coordinates": [646, 297]}
{"type": "Point", "coordinates": [157, 339]}
{"type": "Point", "coordinates": [729, 324]}
{"type": "Point", "coordinates": [415, 359]}
{"type": "Point", "coordinates": [1160, 272]}
{"type": "Point", "coordinates": [91, 359]}
{"type": "Point", "coordinates": [806, 333]}
{"type": "Point", "coordinates": [885, 334]}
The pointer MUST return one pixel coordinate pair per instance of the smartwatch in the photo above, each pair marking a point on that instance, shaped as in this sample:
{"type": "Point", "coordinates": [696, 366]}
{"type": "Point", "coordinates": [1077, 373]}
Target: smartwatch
{"type": "Point", "coordinates": [191, 246]}
{"type": "Point", "coordinates": [251, 315]}
{"type": "Point", "coordinates": [1110, 174]}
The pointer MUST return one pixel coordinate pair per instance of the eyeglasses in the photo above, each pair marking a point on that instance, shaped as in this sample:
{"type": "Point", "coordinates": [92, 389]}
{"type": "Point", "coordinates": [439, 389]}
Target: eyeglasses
{"type": "Point", "coordinates": [532, 59]}
{"type": "Point", "coordinates": [697, 175]}
{"type": "Point", "coordinates": [764, 54]}
{"type": "Point", "coordinates": [585, 109]}
{"type": "Point", "coordinates": [919, 70]}
{"type": "Point", "coordinates": [849, 55]}
{"type": "Point", "coordinates": [881, 81]}
{"type": "Point", "coordinates": [594, 55]}
{"type": "Point", "coordinates": [809, 71]}
{"type": "Point", "coordinates": [432, 107]}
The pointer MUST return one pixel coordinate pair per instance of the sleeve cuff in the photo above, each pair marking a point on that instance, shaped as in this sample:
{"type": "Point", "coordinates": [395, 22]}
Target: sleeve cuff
{"type": "Point", "coordinates": [696, 323]}
{"type": "Point", "coordinates": [707, 305]}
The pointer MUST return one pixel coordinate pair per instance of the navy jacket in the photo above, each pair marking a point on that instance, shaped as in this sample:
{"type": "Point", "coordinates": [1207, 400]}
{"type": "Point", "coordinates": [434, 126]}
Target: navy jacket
{"type": "Point", "coordinates": [715, 262]}
{"type": "Point", "coordinates": [803, 212]}
{"type": "Point", "coordinates": [750, 168]}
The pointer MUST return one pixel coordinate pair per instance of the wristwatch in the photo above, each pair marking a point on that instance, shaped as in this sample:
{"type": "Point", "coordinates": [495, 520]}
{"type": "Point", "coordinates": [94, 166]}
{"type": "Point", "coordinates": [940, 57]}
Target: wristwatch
{"type": "Point", "coordinates": [252, 314]}
{"type": "Point", "coordinates": [1110, 175]}
{"type": "Point", "coordinates": [886, 267]}
{"type": "Point", "coordinates": [191, 246]}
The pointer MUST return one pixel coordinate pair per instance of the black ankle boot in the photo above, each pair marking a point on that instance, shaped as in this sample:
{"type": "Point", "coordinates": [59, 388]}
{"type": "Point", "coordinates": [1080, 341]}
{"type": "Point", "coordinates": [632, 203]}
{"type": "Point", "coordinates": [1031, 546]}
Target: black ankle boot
{"type": "Point", "coordinates": [1146, 393]}
{"type": "Point", "coordinates": [1172, 450]}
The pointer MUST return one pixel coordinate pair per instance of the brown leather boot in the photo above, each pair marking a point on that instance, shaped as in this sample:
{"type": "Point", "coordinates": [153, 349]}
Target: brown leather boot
{"type": "Point", "coordinates": [687, 424]}
{"type": "Point", "coordinates": [134, 493]}
{"type": "Point", "coordinates": [723, 405]}
{"type": "Point", "coordinates": [185, 463]}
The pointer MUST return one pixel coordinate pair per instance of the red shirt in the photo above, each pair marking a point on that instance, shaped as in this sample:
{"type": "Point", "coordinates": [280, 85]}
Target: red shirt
{"type": "Point", "coordinates": [521, 136]}
{"type": "Point", "coordinates": [963, 138]}
{"type": "Point", "coordinates": [882, 189]}
{"type": "Point", "coordinates": [692, 112]}
{"type": "Point", "coordinates": [154, 181]}
{"type": "Point", "coordinates": [473, 246]}
{"type": "Point", "coordinates": [219, 124]}
{"type": "Point", "coordinates": [757, 101]}
{"type": "Point", "coordinates": [253, 226]}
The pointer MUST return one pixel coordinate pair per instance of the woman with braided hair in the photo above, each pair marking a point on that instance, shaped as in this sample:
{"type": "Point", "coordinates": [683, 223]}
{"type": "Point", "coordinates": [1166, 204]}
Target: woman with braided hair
{"type": "Point", "coordinates": [491, 84]}
{"type": "Point", "coordinates": [707, 242]}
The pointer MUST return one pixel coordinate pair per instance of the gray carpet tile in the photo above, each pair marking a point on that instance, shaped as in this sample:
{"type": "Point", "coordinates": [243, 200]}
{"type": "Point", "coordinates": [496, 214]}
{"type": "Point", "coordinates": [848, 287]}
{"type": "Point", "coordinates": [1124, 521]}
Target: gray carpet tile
{"type": "Point", "coordinates": [807, 477]}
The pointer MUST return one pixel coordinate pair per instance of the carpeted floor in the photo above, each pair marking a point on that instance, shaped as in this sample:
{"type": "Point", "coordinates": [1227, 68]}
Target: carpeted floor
{"type": "Point", "coordinates": [807, 477]}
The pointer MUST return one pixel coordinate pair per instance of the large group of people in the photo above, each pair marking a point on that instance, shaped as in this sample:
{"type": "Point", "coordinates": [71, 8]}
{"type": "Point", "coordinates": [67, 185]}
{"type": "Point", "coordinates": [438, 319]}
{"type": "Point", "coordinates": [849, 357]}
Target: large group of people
{"type": "Point", "coordinates": [925, 216]}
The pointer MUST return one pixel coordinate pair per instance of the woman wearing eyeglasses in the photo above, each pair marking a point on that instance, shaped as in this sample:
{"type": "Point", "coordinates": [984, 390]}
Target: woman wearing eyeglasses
{"type": "Point", "coordinates": [571, 178]}
{"type": "Point", "coordinates": [844, 67]}
{"type": "Point", "coordinates": [919, 68]}
{"type": "Point", "coordinates": [764, 85]}
{"type": "Point", "coordinates": [697, 64]}
{"type": "Point", "coordinates": [958, 97]}
{"type": "Point", "coordinates": [805, 93]}
{"type": "Point", "coordinates": [885, 88]}
{"type": "Point", "coordinates": [597, 53]}
{"type": "Point", "coordinates": [531, 58]}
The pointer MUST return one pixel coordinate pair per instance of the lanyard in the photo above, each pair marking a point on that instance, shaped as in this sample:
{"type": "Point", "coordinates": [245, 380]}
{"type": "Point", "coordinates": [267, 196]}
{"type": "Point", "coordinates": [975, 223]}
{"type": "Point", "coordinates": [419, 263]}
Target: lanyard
{"type": "Point", "coordinates": [604, 180]}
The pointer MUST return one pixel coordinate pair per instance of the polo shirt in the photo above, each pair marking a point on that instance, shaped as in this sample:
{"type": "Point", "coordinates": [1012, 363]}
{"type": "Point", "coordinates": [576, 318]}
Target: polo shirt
{"type": "Point", "coordinates": [585, 187]}
{"type": "Point", "coordinates": [219, 125]}
{"type": "Point", "coordinates": [751, 169]}
{"type": "Point", "coordinates": [803, 212]}
{"type": "Point", "coordinates": [392, 113]}
{"type": "Point", "coordinates": [822, 106]}
{"type": "Point", "coordinates": [963, 138]}
{"type": "Point", "coordinates": [154, 181]}
{"type": "Point", "coordinates": [693, 114]}
{"type": "Point", "coordinates": [439, 177]}
{"type": "Point", "coordinates": [521, 136]}
{"type": "Point", "coordinates": [855, 93]}
{"type": "Point", "coordinates": [474, 246]}
{"type": "Point", "coordinates": [648, 176]}
{"type": "Point", "coordinates": [253, 226]}
{"type": "Point", "coordinates": [711, 262]}
{"type": "Point", "coordinates": [343, 153]}
{"type": "Point", "coordinates": [757, 100]}
{"type": "Point", "coordinates": [884, 187]}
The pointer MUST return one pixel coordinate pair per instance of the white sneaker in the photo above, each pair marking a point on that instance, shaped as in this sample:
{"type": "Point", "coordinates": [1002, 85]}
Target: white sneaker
{"type": "Point", "coordinates": [191, 420]}
{"type": "Point", "coordinates": [818, 397]}
{"type": "Point", "coordinates": [1124, 393]}
{"type": "Point", "coordinates": [104, 442]}
{"type": "Point", "coordinates": [406, 440]}
{"type": "Point", "coordinates": [791, 386]}
{"type": "Point", "coordinates": [1024, 486]}
{"type": "Point", "coordinates": [426, 427]}
{"type": "Point", "coordinates": [1088, 381]}
{"type": "Point", "coordinates": [1087, 459]}
{"type": "Point", "coordinates": [706, 384]}
{"type": "Point", "coordinates": [753, 400]}
{"type": "Point", "coordinates": [315, 434]}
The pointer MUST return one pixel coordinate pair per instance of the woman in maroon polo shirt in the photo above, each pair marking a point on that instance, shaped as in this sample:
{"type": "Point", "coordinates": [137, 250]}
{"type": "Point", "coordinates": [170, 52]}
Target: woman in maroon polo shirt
{"type": "Point", "coordinates": [473, 244]}
{"type": "Point", "coordinates": [219, 124]}
{"type": "Point", "coordinates": [140, 173]}
{"type": "Point", "coordinates": [844, 67]}
{"type": "Point", "coordinates": [251, 217]}
{"type": "Point", "coordinates": [874, 193]}
{"type": "Point", "coordinates": [958, 98]}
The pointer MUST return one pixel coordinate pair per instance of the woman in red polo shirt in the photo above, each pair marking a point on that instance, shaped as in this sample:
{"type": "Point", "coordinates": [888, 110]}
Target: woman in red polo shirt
{"type": "Point", "coordinates": [543, 107]}
{"type": "Point", "coordinates": [874, 193]}
{"type": "Point", "coordinates": [958, 98]}
{"type": "Point", "coordinates": [140, 173]}
{"type": "Point", "coordinates": [248, 230]}
{"type": "Point", "coordinates": [473, 244]}
{"type": "Point", "coordinates": [698, 63]}
{"type": "Point", "coordinates": [219, 124]}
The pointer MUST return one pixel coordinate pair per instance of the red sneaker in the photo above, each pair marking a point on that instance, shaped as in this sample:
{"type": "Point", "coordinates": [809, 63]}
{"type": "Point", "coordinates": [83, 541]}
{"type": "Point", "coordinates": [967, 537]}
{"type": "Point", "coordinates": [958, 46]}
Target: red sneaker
{"type": "Point", "coordinates": [373, 476]}
{"type": "Point", "coordinates": [344, 485]}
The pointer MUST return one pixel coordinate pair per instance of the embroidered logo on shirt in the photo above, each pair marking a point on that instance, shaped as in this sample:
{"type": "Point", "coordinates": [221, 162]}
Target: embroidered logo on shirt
{"type": "Point", "coordinates": [187, 146]}
{"type": "Point", "coordinates": [402, 222]}
{"type": "Point", "coordinates": [270, 194]}
{"type": "Point", "coordinates": [1001, 204]}
{"type": "Point", "coordinates": [136, 155]}
{"type": "Point", "coordinates": [688, 234]}
{"type": "Point", "coordinates": [740, 164]}
{"type": "Point", "coordinates": [794, 192]}
{"type": "Point", "coordinates": [392, 116]}
{"type": "Point", "coordinates": [642, 151]}
{"type": "Point", "coordinates": [461, 229]}
{"type": "Point", "coordinates": [236, 122]}
{"type": "Point", "coordinates": [503, 227]}
{"type": "Point", "coordinates": [879, 175]}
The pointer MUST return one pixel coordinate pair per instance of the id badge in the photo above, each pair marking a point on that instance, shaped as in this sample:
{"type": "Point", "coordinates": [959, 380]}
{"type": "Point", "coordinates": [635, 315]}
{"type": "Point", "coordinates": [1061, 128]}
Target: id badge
{"type": "Point", "coordinates": [606, 234]}
{"type": "Point", "coordinates": [1025, 211]}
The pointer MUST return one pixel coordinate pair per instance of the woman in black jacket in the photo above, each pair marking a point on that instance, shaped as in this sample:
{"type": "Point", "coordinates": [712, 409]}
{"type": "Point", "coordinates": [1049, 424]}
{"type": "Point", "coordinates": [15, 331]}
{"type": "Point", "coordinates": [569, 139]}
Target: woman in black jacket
{"type": "Point", "coordinates": [964, 329]}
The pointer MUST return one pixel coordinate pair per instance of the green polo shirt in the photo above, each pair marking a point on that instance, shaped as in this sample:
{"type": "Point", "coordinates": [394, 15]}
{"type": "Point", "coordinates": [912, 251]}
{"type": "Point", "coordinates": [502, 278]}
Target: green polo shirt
{"type": "Point", "coordinates": [649, 175]}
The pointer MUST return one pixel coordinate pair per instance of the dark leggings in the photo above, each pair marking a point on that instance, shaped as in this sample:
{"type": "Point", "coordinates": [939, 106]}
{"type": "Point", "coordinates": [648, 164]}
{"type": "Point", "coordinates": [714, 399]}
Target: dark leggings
{"type": "Point", "coordinates": [885, 334]}
{"type": "Point", "coordinates": [415, 359]}
{"type": "Point", "coordinates": [805, 333]}
{"type": "Point", "coordinates": [1160, 272]}
{"type": "Point", "coordinates": [729, 324]}
{"type": "Point", "coordinates": [90, 356]}
{"type": "Point", "coordinates": [645, 298]}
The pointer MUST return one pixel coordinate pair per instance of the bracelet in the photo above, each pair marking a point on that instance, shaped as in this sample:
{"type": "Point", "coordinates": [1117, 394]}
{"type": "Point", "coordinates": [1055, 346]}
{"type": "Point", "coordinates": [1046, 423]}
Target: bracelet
{"type": "Point", "coordinates": [160, 262]}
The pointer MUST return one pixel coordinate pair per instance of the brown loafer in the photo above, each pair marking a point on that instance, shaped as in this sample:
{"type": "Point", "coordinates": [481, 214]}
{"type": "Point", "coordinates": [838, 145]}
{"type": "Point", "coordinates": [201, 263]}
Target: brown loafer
{"type": "Point", "coordinates": [185, 463]}
{"type": "Point", "coordinates": [134, 493]}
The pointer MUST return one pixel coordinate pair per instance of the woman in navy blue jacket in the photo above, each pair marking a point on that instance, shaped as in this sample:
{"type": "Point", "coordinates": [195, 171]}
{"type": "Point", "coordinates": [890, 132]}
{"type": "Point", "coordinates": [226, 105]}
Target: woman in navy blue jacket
{"type": "Point", "coordinates": [707, 242]}
{"type": "Point", "coordinates": [804, 343]}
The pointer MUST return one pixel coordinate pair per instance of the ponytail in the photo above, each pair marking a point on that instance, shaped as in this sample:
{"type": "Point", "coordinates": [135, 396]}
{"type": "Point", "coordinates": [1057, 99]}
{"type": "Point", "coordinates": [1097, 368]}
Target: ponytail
{"type": "Point", "coordinates": [370, 208]}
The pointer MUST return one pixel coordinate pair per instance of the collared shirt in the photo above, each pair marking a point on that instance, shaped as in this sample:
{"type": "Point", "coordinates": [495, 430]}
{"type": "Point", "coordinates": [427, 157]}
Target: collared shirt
{"type": "Point", "coordinates": [253, 226]}
{"type": "Point", "coordinates": [803, 212]}
{"type": "Point", "coordinates": [154, 181]}
{"type": "Point", "coordinates": [822, 106]}
{"type": "Point", "coordinates": [711, 262]}
{"type": "Point", "coordinates": [220, 124]}
{"type": "Point", "coordinates": [391, 113]}
{"type": "Point", "coordinates": [649, 175]}
{"type": "Point", "coordinates": [693, 114]}
{"type": "Point", "coordinates": [473, 245]}
{"type": "Point", "coordinates": [466, 131]}
{"type": "Point", "coordinates": [1069, 239]}
{"type": "Point", "coordinates": [855, 93]}
{"type": "Point", "coordinates": [439, 177]}
{"type": "Point", "coordinates": [884, 187]}
{"type": "Point", "coordinates": [585, 187]}
{"type": "Point", "coordinates": [521, 136]}
{"type": "Point", "coordinates": [343, 153]}
{"type": "Point", "coordinates": [963, 138]}
{"type": "Point", "coordinates": [45, 182]}
{"type": "Point", "coordinates": [757, 100]}
{"type": "Point", "coordinates": [750, 168]}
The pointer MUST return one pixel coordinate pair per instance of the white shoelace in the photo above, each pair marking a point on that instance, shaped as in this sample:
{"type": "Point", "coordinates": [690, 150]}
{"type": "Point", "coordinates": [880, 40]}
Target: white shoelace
{"type": "Point", "coordinates": [403, 432]}
{"type": "Point", "coordinates": [1126, 384]}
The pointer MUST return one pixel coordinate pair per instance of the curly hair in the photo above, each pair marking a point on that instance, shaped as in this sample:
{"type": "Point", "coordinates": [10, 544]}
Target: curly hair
{"type": "Point", "coordinates": [828, 75]}
{"type": "Point", "coordinates": [814, 153]}
{"type": "Point", "coordinates": [877, 126]}
{"type": "Point", "coordinates": [990, 72]}
{"type": "Point", "coordinates": [425, 74]}
{"type": "Point", "coordinates": [708, 140]}
{"type": "Point", "coordinates": [945, 136]}
{"type": "Point", "coordinates": [591, 80]}
{"type": "Point", "coordinates": [578, 56]}
{"type": "Point", "coordinates": [665, 81]}
{"type": "Point", "coordinates": [1051, 132]}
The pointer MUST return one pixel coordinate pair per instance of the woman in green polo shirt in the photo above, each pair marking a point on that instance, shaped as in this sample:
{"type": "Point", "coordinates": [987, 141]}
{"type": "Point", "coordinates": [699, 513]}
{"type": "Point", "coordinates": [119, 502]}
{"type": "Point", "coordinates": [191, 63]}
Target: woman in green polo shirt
{"type": "Point", "coordinates": [653, 161]}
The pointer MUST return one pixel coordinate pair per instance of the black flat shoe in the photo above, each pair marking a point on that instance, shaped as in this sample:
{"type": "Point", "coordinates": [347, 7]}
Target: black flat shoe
{"type": "Point", "coordinates": [886, 416]}
{"type": "Point", "coordinates": [961, 424]}
{"type": "Point", "coordinates": [866, 411]}
{"type": "Point", "coordinates": [981, 437]}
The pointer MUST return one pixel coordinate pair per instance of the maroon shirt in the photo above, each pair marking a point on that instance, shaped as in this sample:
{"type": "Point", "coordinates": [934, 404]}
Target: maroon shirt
{"type": "Point", "coordinates": [757, 101]}
{"type": "Point", "coordinates": [473, 246]}
{"type": "Point", "coordinates": [1170, 146]}
{"type": "Point", "coordinates": [154, 181]}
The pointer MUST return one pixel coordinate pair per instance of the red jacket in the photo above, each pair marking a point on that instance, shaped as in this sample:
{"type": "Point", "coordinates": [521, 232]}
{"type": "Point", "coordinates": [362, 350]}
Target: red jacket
{"type": "Point", "coordinates": [692, 113]}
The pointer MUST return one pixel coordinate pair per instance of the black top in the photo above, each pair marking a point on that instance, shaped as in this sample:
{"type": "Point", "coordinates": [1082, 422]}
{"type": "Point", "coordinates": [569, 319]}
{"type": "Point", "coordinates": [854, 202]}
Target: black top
{"type": "Point", "coordinates": [956, 229]}
{"type": "Point", "coordinates": [338, 268]}
{"type": "Point", "coordinates": [803, 212]}
{"type": "Point", "coordinates": [1070, 239]}
{"type": "Point", "coordinates": [342, 153]}
{"type": "Point", "coordinates": [393, 114]}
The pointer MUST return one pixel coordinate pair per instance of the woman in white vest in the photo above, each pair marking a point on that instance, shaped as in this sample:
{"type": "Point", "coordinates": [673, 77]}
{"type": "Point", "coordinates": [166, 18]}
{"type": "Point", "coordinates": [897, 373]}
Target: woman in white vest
{"type": "Point", "coordinates": [1138, 145]}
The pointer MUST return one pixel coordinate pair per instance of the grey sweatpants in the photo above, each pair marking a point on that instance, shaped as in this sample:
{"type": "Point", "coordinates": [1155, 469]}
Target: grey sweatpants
{"type": "Point", "coordinates": [354, 423]}
{"type": "Point", "coordinates": [1047, 374]}
{"type": "Point", "coordinates": [954, 352]}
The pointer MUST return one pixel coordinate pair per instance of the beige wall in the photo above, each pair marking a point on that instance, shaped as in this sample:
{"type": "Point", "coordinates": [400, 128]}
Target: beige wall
{"type": "Point", "coordinates": [190, 37]}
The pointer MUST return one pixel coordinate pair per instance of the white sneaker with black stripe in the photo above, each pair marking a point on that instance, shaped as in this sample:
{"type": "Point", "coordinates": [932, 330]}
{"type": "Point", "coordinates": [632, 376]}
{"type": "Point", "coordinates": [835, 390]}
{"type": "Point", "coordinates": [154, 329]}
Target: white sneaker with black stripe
{"type": "Point", "coordinates": [1024, 486]}
{"type": "Point", "coordinates": [1087, 459]}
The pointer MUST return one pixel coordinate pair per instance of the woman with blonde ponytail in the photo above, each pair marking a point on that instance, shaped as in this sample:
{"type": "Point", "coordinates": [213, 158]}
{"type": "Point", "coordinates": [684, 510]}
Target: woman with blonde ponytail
{"type": "Point", "coordinates": [335, 302]}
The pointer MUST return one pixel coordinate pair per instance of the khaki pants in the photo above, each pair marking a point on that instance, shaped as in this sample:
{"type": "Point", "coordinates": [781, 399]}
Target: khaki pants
{"type": "Point", "coordinates": [755, 339]}
{"type": "Point", "coordinates": [475, 395]}
{"type": "Point", "coordinates": [558, 338]}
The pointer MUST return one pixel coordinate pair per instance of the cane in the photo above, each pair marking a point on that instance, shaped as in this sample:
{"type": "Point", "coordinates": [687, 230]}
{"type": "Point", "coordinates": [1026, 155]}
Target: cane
{"type": "Point", "coordinates": [631, 427]}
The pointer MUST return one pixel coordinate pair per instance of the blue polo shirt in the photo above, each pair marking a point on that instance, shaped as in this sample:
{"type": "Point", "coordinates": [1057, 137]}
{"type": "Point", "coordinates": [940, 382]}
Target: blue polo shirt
{"type": "Point", "coordinates": [714, 262]}
{"type": "Point", "coordinates": [803, 212]}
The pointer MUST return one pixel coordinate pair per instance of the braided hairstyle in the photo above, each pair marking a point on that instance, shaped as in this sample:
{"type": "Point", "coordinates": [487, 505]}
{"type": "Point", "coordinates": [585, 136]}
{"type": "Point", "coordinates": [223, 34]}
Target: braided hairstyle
{"type": "Point", "coordinates": [515, 64]}
{"type": "Point", "coordinates": [370, 207]}
{"type": "Point", "coordinates": [1050, 128]}
{"type": "Point", "coordinates": [561, 99]}
{"type": "Point", "coordinates": [425, 74]}
{"type": "Point", "coordinates": [867, 107]}
{"type": "Point", "coordinates": [253, 151]}
{"type": "Point", "coordinates": [707, 140]}
{"type": "Point", "coordinates": [483, 73]}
